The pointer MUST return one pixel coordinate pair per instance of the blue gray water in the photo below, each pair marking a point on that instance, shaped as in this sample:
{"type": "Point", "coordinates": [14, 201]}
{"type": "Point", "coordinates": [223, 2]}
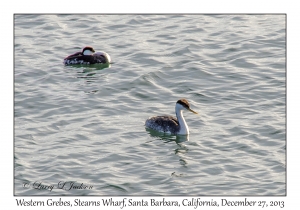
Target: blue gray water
{"type": "Point", "coordinates": [85, 124]}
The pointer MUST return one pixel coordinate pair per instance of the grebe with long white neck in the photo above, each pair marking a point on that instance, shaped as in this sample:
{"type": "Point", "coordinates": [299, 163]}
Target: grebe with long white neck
{"type": "Point", "coordinates": [169, 124]}
{"type": "Point", "coordinates": [87, 56]}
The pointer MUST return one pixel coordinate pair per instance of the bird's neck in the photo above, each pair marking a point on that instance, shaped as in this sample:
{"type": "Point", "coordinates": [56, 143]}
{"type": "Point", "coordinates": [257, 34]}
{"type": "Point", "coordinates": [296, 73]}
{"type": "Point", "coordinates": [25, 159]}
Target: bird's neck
{"type": "Point", "coordinates": [183, 128]}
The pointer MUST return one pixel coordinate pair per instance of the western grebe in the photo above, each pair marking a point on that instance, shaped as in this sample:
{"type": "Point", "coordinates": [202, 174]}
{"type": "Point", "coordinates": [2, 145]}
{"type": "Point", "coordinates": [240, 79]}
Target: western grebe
{"type": "Point", "coordinates": [169, 124]}
{"type": "Point", "coordinates": [87, 56]}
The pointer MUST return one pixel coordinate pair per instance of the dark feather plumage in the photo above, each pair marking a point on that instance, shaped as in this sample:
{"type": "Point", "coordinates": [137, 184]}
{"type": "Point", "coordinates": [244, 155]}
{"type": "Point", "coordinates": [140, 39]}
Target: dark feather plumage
{"type": "Point", "coordinates": [84, 59]}
{"type": "Point", "coordinates": [163, 123]}
{"type": "Point", "coordinates": [80, 58]}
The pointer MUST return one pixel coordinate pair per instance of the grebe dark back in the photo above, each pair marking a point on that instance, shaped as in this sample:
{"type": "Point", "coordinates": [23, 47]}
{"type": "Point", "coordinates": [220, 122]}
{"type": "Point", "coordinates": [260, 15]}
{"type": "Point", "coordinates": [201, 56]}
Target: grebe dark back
{"type": "Point", "coordinates": [87, 56]}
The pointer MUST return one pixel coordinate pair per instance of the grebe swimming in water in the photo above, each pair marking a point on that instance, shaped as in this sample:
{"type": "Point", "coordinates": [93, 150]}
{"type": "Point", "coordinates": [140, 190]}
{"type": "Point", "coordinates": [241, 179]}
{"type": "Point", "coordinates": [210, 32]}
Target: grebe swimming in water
{"type": "Point", "coordinates": [87, 56]}
{"type": "Point", "coordinates": [169, 124]}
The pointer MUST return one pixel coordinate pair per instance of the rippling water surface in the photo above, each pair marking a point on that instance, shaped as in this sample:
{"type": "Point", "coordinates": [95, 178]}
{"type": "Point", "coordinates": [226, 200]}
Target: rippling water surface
{"type": "Point", "coordinates": [85, 124]}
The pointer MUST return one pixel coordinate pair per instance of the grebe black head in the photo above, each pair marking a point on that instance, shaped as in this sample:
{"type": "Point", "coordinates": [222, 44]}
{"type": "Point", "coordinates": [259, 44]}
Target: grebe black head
{"type": "Point", "coordinates": [169, 124]}
{"type": "Point", "coordinates": [185, 104]}
{"type": "Point", "coordinates": [87, 51]}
